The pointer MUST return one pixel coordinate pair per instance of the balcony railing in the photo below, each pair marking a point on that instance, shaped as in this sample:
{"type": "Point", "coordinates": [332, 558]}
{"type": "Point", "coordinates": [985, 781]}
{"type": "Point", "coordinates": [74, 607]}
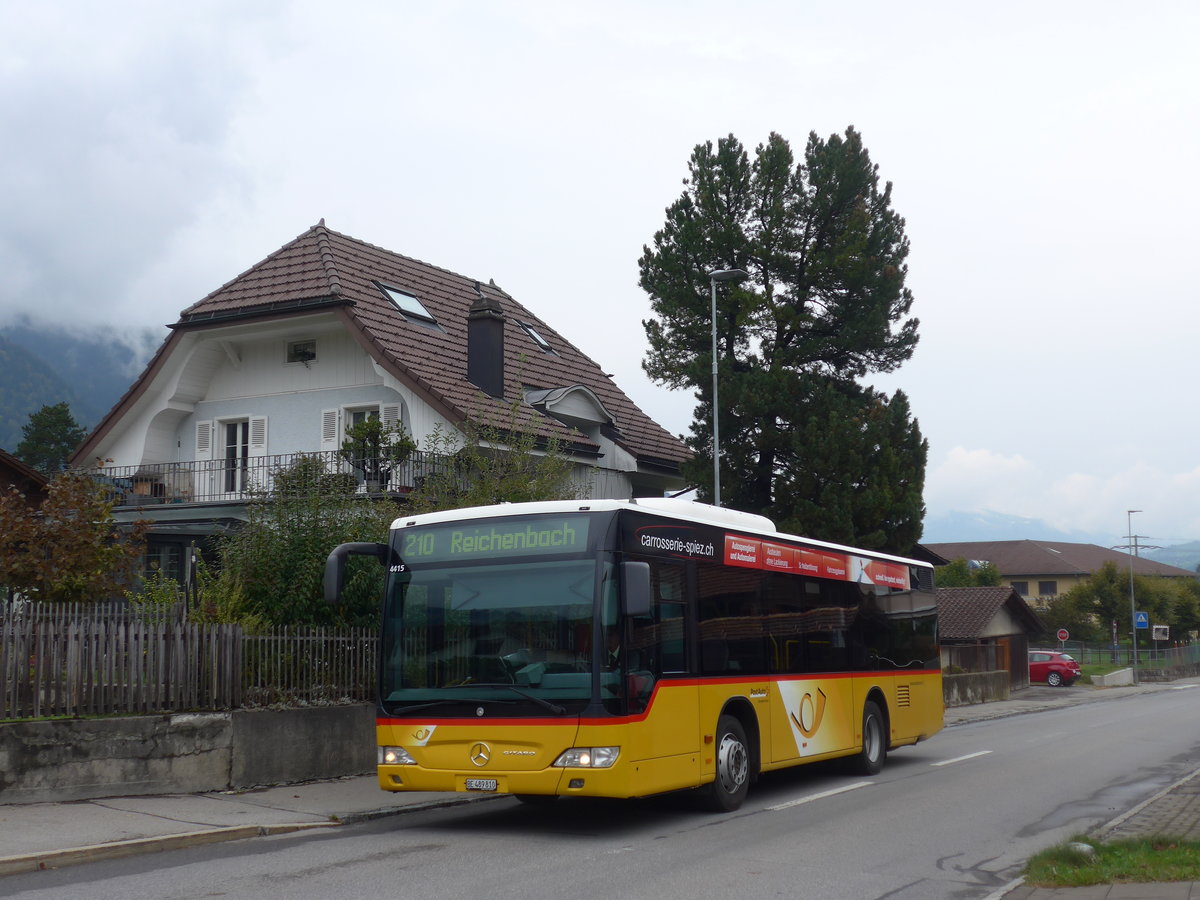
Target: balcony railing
{"type": "Point", "coordinates": [234, 480]}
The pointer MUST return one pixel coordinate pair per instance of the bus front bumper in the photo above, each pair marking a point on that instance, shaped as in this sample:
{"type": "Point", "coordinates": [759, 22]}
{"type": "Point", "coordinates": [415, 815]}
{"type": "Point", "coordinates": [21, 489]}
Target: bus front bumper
{"type": "Point", "coordinates": [580, 782]}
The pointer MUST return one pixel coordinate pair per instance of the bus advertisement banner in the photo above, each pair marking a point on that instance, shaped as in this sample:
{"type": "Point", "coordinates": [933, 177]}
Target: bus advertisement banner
{"type": "Point", "coordinates": [715, 545]}
{"type": "Point", "coordinates": [755, 553]}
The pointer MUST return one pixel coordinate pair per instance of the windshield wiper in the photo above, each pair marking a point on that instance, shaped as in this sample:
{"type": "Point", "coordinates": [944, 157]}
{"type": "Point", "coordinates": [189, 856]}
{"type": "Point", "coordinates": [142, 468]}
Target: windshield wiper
{"type": "Point", "coordinates": [432, 703]}
{"type": "Point", "coordinates": [553, 707]}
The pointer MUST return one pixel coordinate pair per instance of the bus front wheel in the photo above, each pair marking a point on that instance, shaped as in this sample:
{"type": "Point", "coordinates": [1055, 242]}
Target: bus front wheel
{"type": "Point", "coordinates": [874, 740]}
{"type": "Point", "coordinates": [729, 788]}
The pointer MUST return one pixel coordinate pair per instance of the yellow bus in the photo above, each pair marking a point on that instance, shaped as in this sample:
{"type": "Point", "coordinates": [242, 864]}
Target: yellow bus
{"type": "Point", "coordinates": [624, 648]}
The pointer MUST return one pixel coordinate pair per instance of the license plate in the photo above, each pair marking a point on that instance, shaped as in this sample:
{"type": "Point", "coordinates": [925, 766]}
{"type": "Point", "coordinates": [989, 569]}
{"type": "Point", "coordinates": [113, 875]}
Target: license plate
{"type": "Point", "coordinates": [481, 784]}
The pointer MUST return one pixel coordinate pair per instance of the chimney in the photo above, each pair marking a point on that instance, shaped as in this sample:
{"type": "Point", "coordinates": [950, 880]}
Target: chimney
{"type": "Point", "coordinates": [485, 344]}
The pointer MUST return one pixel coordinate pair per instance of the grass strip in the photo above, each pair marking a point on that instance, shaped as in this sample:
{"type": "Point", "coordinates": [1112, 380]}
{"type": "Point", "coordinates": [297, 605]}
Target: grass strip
{"type": "Point", "coordinates": [1128, 860]}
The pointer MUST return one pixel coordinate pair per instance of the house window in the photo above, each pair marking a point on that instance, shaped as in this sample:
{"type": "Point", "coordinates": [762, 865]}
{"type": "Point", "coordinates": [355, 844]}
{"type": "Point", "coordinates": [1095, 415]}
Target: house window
{"type": "Point", "coordinates": [336, 425]}
{"type": "Point", "coordinates": [1047, 588]}
{"type": "Point", "coordinates": [537, 338]}
{"type": "Point", "coordinates": [163, 559]}
{"type": "Point", "coordinates": [1021, 587]}
{"type": "Point", "coordinates": [410, 306]}
{"type": "Point", "coordinates": [237, 454]}
{"type": "Point", "coordinates": [301, 351]}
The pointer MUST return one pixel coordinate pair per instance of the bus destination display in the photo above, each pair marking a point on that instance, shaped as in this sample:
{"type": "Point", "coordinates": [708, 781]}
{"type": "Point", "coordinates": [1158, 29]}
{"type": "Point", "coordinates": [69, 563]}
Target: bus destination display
{"type": "Point", "coordinates": [494, 538]}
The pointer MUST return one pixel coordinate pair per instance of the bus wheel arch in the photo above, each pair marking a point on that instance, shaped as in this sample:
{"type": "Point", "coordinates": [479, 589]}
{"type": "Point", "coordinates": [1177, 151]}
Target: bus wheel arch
{"type": "Point", "coordinates": [735, 758]}
{"type": "Point", "coordinates": [740, 708]}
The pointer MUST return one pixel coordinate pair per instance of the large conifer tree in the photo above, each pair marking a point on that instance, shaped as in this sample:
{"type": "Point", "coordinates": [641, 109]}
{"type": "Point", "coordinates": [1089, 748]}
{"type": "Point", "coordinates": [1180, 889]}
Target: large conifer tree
{"type": "Point", "coordinates": [49, 438]}
{"type": "Point", "coordinates": [802, 440]}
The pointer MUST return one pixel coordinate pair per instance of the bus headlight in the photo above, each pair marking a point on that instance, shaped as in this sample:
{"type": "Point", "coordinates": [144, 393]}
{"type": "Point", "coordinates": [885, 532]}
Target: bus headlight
{"type": "Point", "coordinates": [395, 756]}
{"type": "Point", "coordinates": [588, 757]}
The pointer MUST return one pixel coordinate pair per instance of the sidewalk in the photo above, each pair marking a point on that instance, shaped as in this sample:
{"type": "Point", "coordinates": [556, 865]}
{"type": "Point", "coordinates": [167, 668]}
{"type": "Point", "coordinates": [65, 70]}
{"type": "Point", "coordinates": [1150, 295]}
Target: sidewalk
{"type": "Point", "coordinates": [92, 830]}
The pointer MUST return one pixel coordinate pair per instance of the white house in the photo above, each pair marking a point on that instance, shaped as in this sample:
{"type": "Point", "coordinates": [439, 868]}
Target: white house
{"type": "Point", "coordinates": [329, 330]}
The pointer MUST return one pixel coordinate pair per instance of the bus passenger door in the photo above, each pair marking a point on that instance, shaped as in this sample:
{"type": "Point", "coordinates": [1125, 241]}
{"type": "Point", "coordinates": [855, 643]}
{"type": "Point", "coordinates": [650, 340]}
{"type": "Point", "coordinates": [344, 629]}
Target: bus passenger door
{"type": "Point", "coordinates": [667, 746]}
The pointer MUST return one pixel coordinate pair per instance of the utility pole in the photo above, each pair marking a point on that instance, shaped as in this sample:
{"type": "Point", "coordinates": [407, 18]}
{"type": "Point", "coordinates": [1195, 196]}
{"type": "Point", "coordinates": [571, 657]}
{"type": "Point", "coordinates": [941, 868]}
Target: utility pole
{"type": "Point", "coordinates": [1134, 549]}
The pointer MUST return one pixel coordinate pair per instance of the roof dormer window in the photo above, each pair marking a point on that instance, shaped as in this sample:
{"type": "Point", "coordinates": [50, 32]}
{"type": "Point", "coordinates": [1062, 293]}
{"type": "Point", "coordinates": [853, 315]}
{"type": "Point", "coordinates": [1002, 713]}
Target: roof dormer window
{"type": "Point", "coordinates": [409, 306]}
{"type": "Point", "coordinates": [542, 343]}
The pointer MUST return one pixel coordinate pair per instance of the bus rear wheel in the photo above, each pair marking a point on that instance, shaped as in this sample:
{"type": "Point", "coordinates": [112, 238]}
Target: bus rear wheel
{"type": "Point", "coordinates": [729, 788]}
{"type": "Point", "coordinates": [874, 741]}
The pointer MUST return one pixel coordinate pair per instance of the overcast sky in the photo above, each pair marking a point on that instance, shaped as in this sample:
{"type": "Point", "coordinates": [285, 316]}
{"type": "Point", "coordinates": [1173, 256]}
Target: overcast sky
{"type": "Point", "coordinates": [1043, 155]}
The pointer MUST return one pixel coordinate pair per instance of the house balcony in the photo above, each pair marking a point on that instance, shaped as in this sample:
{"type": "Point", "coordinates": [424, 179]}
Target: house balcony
{"type": "Point", "coordinates": [240, 480]}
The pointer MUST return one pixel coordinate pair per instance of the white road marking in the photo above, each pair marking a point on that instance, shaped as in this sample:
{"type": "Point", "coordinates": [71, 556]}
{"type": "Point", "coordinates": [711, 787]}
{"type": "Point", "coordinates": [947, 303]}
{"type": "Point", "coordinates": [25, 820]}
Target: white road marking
{"type": "Point", "coordinates": [821, 796]}
{"type": "Point", "coordinates": [1183, 687]}
{"type": "Point", "coordinates": [946, 762]}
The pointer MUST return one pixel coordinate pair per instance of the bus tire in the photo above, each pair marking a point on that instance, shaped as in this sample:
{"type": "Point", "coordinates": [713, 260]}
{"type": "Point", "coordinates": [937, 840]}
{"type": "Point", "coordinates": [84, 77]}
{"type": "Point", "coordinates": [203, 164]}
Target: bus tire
{"type": "Point", "coordinates": [874, 736]}
{"type": "Point", "coordinates": [729, 788]}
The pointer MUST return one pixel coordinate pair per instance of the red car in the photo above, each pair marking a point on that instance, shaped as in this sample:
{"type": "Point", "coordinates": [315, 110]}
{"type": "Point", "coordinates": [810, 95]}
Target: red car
{"type": "Point", "coordinates": [1052, 667]}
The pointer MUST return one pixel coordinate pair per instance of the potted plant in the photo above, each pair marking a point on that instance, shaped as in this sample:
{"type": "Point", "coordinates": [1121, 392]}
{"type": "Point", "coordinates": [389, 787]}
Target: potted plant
{"type": "Point", "coordinates": [375, 449]}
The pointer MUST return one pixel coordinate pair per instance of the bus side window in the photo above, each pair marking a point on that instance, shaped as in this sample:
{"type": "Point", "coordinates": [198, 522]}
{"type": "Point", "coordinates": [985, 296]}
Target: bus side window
{"type": "Point", "coordinates": [659, 639]}
{"type": "Point", "coordinates": [731, 621]}
{"type": "Point", "coordinates": [672, 646]}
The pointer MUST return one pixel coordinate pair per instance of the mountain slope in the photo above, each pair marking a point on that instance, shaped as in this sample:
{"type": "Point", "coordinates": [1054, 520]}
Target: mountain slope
{"type": "Point", "coordinates": [39, 367]}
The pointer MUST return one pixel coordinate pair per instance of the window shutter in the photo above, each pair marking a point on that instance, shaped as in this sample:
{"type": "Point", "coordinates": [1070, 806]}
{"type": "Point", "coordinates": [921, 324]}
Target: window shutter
{"type": "Point", "coordinates": [258, 435]}
{"type": "Point", "coordinates": [390, 414]}
{"type": "Point", "coordinates": [204, 438]}
{"type": "Point", "coordinates": [329, 430]}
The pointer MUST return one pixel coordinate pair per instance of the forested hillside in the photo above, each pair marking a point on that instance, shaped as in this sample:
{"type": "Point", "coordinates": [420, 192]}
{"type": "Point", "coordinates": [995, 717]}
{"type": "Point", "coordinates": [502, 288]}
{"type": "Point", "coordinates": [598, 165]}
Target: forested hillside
{"type": "Point", "coordinates": [40, 368]}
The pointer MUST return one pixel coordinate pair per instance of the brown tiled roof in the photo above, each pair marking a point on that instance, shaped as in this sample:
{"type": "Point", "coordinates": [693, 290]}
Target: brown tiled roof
{"type": "Point", "coordinates": [1017, 558]}
{"type": "Point", "coordinates": [322, 268]}
{"type": "Point", "coordinates": [16, 473]}
{"type": "Point", "coordinates": [964, 612]}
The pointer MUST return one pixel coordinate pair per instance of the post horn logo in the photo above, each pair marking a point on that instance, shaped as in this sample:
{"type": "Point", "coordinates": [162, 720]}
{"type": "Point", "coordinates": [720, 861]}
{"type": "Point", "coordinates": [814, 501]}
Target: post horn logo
{"type": "Point", "coordinates": [481, 754]}
{"type": "Point", "coordinates": [811, 713]}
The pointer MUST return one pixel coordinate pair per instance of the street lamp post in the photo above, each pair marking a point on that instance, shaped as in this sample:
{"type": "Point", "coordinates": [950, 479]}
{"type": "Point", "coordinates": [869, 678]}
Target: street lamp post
{"type": "Point", "coordinates": [1132, 605]}
{"type": "Point", "coordinates": [714, 277]}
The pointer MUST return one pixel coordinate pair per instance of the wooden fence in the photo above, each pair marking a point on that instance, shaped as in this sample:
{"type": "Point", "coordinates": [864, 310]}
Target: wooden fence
{"type": "Point", "coordinates": [309, 666]}
{"type": "Point", "coordinates": [75, 660]}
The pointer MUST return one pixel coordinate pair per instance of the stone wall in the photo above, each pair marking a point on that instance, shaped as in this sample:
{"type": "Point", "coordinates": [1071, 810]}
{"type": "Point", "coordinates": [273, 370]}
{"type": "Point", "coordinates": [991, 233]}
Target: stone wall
{"type": "Point", "coordinates": [975, 687]}
{"type": "Point", "coordinates": [79, 759]}
{"type": "Point", "coordinates": [1169, 673]}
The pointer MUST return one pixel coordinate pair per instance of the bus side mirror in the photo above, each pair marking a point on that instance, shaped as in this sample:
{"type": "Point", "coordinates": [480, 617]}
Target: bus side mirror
{"type": "Point", "coordinates": [335, 565]}
{"type": "Point", "coordinates": [635, 587]}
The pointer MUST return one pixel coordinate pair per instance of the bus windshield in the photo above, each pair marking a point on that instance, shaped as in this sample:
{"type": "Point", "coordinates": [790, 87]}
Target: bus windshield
{"type": "Point", "coordinates": [513, 633]}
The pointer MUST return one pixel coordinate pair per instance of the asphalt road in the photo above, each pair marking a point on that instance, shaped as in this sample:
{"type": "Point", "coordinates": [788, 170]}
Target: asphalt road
{"type": "Point", "coordinates": [951, 818]}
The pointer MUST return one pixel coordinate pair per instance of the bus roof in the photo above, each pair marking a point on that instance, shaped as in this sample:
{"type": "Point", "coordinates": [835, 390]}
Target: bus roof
{"type": "Point", "coordinates": [668, 507]}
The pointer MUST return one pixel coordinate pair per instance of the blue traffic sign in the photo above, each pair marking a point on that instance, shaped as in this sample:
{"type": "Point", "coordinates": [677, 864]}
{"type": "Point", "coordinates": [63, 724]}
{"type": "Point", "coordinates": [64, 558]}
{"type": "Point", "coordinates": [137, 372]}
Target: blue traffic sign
{"type": "Point", "coordinates": [1141, 620]}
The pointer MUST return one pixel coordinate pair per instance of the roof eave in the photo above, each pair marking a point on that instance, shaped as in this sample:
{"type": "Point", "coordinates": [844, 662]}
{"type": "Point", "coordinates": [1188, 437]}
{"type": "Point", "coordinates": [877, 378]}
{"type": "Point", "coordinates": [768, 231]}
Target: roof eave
{"type": "Point", "coordinates": [266, 310]}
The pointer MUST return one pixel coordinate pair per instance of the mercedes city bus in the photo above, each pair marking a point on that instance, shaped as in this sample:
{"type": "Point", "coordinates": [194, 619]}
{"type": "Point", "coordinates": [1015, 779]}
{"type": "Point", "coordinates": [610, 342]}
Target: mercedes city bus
{"type": "Point", "coordinates": [624, 648]}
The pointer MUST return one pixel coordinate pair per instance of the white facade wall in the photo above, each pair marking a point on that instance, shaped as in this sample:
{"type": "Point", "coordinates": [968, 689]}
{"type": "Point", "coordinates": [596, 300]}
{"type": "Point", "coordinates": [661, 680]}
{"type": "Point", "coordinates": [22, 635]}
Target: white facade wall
{"type": "Point", "coordinates": [241, 372]}
{"type": "Point", "coordinates": [259, 367]}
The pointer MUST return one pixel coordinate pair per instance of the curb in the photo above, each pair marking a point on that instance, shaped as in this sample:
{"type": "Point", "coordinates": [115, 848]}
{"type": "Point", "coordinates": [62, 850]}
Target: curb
{"type": "Point", "coordinates": [1108, 827]}
{"type": "Point", "coordinates": [1005, 714]}
{"type": "Point", "coordinates": [70, 856]}
{"type": "Point", "coordinates": [370, 815]}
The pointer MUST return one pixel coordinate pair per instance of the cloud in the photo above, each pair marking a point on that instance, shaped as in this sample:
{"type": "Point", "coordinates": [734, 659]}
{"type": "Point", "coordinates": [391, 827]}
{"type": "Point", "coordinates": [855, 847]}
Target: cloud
{"type": "Point", "coordinates": [121, 142]}
{"type": "Point", "coordinates": [991, 480]}
{"type": "Point", "coordinates": [980, 480]}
